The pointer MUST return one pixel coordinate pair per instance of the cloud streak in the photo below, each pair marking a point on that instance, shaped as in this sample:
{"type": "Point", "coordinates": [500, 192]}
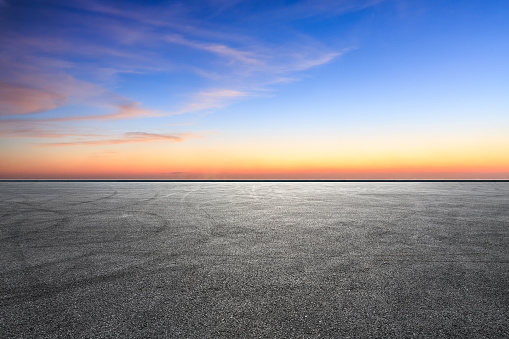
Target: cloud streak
{"type": "Point", "coordinates": [21, 100]}
{"type": "Point", "coordinates": [313, 8]}
{"type": "Point", "coordinates": [306, 63]}
{"type": "Point", "coordinates": [212, 99]}
{"type": "Point", "coordinates": [218, 49]}
{"type": "Point", "coordinates": [127, 110]}
{"type": "Point", "coordinates": [27, 128]}
{"type": "Point", "coordinates": [25, 91]}
{"type": "Point", "coordinates": [127, 138]}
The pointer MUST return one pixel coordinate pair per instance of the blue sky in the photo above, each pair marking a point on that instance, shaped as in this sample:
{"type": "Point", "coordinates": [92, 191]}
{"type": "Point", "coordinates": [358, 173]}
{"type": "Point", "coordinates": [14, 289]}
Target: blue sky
{"type": "Point", "coordinates": [328, 86]}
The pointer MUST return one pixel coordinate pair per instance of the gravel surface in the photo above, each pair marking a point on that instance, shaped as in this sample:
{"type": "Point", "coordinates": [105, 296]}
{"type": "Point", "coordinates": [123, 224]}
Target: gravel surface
{"type": "Point", "coordinates": [261, 260]}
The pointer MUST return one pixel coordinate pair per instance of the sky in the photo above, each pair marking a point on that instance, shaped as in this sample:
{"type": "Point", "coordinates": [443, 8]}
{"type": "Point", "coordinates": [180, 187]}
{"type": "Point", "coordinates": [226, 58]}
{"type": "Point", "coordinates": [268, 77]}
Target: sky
{"type": "Point", "coordinates": [234, 89]}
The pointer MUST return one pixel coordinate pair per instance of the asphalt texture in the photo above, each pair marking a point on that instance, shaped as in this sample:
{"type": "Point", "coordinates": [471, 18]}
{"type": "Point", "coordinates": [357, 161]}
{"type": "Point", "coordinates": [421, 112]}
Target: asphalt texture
{"type": "Point", "coordinates": [260, 260]}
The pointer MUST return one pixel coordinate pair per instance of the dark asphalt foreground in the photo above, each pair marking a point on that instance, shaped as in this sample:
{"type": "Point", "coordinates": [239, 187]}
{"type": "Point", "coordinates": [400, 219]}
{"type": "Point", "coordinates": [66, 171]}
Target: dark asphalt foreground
{"type": "Point", "coordinates": [263, 260]}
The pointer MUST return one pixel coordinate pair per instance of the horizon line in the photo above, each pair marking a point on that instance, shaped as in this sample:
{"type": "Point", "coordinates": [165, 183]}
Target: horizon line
{"type": "Point", "coordinates": [254, 180]}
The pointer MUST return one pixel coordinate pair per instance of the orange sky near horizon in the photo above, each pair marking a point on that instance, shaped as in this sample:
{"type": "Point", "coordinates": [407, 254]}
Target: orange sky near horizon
{"type": "Point", "coordinates": [194, 160]}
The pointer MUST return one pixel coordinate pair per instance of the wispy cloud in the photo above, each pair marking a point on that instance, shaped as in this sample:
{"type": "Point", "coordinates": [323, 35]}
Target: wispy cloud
{"type": "Point", "coordinates": [175, 16]}
{"type": "Point", "coordinates": [27, 90]}
{"type": "Point", "coordinates": [20, 100]}
{"type": "Point", "coordinates": [27, 128]}
{"type": "Point", "coordinates": [55, 66]}
{"type": "Point", "coordinates": [219, 49]}
{"type": "Point", "coordinates": [212, 99]}
{"type": "Point", "coordinates": [35, 85]}
{"type": "Point", "coordinates": [130, 137]}
{"type": "Point", "coordinates": [250, 58]}
{"type": "Point", "coordinates": [313, 8]}
{"type": "Point", "coordinates": [127, 110]}
{"type": "Point", "coordinates": [32, 132]}
{"type": "Point", "coordinates": [306, 63]}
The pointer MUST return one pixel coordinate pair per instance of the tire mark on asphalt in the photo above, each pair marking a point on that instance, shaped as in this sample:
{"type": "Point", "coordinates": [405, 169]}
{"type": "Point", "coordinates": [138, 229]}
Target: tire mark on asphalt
{"type": "Point", "coordinates": [115, 208]}
{"type": "Point", "coordinates": [139, 232]}
{"type": "Point", "coordinates": [40, 290]}
{"type": "Point", "coordinates": [31, 267]}
{"type": "Point", "coordinates": [65, 218]}
{"type": "Point", "coordinates": [95, 200]}
{"type": "Point", "coordinates": [46, 290]}
{"type": "Point", "coordinates": [207, 232]}
{"type": "Point", "coordinates": [146, 254]}
{"type": "Point", "coordinates": [62, 220]}
{"type": "Point", "coordinates": [160, 258]}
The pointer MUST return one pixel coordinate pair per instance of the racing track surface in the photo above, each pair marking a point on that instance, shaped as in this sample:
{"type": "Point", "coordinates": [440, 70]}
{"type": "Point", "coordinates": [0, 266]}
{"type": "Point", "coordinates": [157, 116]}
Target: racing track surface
{"type": "Point", "coordinates": [292, 260]}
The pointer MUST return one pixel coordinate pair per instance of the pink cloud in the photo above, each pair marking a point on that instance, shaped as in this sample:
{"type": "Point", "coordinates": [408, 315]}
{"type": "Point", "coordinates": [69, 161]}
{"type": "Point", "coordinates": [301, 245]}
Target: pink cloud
{"type": "Point", "coordinates": [126, 110]}
{"type": "Point", "coordinates": [26, 128]}
{"type": "Point", "coordinates": [20, 100]}
{"type": "Point", "coordinates": [130, 137]}
{"type": "Point", "coordinates": [37, 92]}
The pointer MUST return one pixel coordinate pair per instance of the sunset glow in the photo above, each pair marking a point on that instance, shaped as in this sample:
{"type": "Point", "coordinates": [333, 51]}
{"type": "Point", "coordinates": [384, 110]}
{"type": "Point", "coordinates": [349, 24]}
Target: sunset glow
{"type": "Point", "coordinates": [229, 89]}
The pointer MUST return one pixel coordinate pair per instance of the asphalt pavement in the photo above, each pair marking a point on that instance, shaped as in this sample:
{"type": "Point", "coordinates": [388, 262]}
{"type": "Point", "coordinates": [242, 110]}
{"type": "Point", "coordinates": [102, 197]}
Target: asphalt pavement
{"type": "Point", "coordinates": [254, 260]}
